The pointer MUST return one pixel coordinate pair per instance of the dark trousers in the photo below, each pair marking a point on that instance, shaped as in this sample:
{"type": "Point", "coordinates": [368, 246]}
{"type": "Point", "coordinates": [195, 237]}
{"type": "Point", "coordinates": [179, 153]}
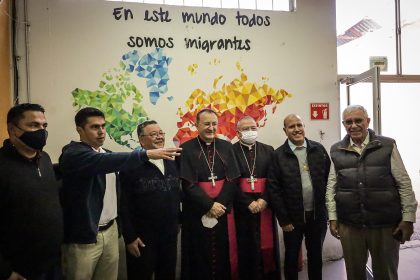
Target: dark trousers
{"type": "Point", "coordinates": [157, 258]}
{"type": "Point", "coordinates": [54, 273]}
{"type": "Point", "coordinates": [314, 232]}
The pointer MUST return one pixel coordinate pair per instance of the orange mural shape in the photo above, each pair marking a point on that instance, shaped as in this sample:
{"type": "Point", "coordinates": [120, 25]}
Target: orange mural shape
{"type": "Point", "coordinates": [231, 102]}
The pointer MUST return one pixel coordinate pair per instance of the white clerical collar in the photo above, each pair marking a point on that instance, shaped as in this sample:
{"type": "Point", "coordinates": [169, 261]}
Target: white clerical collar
{"type": "Point", "coordinates": [205, 142]}
{"type": "Point", "coordinates": [293, 147]}
{"type": "Point", "coordinates": [247, 145]}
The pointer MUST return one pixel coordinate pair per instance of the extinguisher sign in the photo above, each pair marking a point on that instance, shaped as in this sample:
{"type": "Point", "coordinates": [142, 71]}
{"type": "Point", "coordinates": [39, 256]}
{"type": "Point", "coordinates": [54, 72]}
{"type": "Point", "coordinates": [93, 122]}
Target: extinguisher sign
{"type": "Point", "coordinates": [320, 111]}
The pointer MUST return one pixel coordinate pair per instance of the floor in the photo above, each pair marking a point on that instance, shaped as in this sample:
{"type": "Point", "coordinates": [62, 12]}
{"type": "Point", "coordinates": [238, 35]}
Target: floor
{"type": "Point", "coordinates": [409, 264]}
{"type": "Point", "coordinates": [332, 270]}
{"type": "Point", "coordinates": [408, 269]}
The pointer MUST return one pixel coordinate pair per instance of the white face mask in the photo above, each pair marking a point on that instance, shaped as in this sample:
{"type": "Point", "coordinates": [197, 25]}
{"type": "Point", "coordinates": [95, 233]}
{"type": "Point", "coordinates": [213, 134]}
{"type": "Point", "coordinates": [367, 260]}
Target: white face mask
{"type": "Point", "coordinates": [249, 136]}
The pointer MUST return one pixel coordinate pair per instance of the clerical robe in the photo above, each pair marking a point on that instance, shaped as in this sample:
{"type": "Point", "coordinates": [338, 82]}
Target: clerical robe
{"type": "Point", "coordinates": [257, 238]}
{"type": "Point", "coordinates": [208, 253]}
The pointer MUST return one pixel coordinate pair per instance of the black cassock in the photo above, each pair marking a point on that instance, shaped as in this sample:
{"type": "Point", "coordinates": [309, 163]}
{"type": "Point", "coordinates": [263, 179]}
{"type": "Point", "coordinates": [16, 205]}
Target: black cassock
{"type": "Point", "coordinates": [207, 252]}
{"type": "Point", "coordinates": [257, 243]}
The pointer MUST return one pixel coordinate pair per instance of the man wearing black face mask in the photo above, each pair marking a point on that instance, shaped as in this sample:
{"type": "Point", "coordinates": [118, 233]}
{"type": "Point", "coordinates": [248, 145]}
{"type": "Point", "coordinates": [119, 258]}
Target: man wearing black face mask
{"type": "Point", "coordinates": [30, 213]}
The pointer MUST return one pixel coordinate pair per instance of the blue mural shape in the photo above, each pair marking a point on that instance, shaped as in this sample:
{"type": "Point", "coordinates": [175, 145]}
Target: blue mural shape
{"type": "Point", "coordinates": [153, 67]}
{"type": "Point", "coordinates": [116, 88]}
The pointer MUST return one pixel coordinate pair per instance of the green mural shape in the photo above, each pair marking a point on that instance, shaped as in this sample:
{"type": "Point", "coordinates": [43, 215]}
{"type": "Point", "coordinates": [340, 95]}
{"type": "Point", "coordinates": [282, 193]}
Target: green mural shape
{"type": "Point", "coordinates": [114, 90]}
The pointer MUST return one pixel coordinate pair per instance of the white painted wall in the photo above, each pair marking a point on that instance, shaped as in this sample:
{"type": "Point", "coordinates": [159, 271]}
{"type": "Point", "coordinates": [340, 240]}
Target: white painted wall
{"type": "Point", "coordinates": [73, 42]}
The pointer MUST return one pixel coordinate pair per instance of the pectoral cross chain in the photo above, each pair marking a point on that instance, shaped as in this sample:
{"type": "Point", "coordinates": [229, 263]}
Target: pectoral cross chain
{"type": "Point", "coordinates": [213, 178]}
{"type": "Point", "coordinates": [252, 180]}
{"type": "Point", "coordinates": [210, 165]}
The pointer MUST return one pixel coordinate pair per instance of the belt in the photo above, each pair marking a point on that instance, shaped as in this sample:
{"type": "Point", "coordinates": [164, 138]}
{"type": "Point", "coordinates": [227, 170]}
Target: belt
{"type": "Point", "coordinates": [106, 226]}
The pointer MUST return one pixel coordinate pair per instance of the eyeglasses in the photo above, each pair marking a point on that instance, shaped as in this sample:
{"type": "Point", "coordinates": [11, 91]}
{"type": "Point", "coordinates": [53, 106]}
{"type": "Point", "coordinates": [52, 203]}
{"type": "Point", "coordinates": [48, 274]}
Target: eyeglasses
{"type": "Point", "coordinates": [155, 134]}
{"type": "Point", "coordinates": [349, 122]}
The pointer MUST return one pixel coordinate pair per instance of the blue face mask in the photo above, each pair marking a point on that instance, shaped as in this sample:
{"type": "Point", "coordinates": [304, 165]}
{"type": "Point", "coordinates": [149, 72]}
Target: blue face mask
{"type": "Point", "coordinates": [35, 139]}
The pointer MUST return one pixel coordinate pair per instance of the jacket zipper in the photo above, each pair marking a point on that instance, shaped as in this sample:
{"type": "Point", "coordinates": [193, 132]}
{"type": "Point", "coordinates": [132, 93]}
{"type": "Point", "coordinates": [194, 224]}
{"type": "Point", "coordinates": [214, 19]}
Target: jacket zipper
{"type": "Point", "coordinates": [37, 167]}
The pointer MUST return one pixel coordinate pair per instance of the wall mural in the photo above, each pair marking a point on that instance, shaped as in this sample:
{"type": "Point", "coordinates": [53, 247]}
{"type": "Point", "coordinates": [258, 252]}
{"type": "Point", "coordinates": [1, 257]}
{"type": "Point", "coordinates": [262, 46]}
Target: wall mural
{"type": "Point", "coordinates": [117, 89]}
{"type": "Point", "coordinates": [231, 101]}
{"type": "Point", "coordinates": [121, 101]}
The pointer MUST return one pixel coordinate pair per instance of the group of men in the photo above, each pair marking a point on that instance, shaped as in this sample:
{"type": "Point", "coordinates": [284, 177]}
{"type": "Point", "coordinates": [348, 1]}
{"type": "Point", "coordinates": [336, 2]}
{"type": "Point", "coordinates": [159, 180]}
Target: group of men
{"type": "Point", "coordinates": [231, 196]}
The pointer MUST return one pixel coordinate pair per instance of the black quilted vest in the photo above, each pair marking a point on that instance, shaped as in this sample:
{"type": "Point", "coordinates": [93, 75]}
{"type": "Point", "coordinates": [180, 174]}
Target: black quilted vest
{"type": "Point", "coordinates": [366, 193]}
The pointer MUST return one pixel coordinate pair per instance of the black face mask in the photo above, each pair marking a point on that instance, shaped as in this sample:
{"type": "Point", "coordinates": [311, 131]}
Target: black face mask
{"type": "Point", "coordinates": [35, 139]}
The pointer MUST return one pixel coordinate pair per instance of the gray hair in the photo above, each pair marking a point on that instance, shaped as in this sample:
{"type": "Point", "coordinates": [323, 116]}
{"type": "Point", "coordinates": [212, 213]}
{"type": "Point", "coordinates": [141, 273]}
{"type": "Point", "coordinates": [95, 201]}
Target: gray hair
{"type": "Point", "coordinates": [352, 108]}
{"type": "Point", "coordinates": [242, 119]}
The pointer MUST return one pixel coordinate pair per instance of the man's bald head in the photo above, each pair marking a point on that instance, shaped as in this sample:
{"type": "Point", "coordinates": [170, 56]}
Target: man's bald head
{"type": "Point", "coordinates": [290, 117]}
{"type": "Point", "coordinates": [294, 128]}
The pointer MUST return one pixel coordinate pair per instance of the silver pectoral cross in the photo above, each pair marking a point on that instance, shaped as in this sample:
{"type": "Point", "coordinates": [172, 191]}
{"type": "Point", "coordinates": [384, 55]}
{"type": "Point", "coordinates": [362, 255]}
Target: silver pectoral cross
{"type": "Point", "coordinates": [252, 180]}
{"type": "Point", "coordinates": [213, 178]}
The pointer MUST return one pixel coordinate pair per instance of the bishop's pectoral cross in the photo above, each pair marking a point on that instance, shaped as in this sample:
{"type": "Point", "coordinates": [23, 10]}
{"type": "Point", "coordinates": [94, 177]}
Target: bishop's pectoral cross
{"type": "Point", "coordinates": [213, 178]}
{"type": "Point", "coordinates": [252, 180]}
